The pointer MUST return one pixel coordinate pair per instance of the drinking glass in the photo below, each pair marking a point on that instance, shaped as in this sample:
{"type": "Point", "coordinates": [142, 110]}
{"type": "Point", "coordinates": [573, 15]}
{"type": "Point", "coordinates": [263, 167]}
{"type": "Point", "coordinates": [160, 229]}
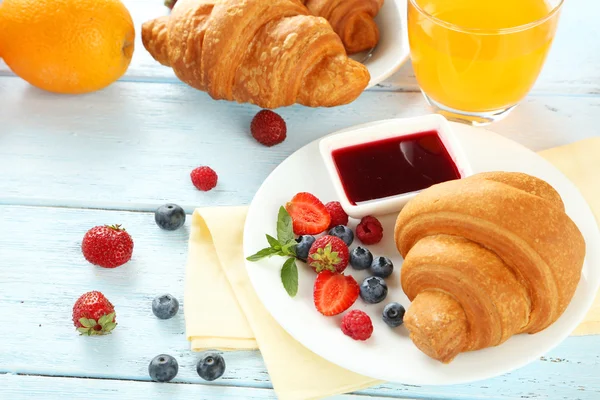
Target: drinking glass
{"type": "Point", "coordinates": [475, 60]}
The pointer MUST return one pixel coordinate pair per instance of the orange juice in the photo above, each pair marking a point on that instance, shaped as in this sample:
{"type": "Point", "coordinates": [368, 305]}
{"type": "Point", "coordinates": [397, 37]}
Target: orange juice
{"type": "Point", "coordinates": [479, 55]}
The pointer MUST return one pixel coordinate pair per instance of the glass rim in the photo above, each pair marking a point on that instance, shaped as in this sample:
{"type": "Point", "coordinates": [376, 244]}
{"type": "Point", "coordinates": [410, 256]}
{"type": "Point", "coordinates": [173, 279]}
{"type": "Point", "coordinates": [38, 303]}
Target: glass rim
{"type": "Point", "coordinates": [487, 31]}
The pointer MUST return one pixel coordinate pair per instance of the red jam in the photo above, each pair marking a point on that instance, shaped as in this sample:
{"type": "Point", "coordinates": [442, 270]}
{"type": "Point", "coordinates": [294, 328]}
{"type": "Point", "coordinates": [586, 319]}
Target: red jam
{"type": "Point", "coordinates": [394, 166]}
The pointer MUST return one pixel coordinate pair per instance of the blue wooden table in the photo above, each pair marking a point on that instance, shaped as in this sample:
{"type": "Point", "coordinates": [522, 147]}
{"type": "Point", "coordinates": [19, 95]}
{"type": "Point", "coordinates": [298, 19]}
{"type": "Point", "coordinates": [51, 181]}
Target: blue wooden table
{"type": "Point", "coordinates": [68, 163]}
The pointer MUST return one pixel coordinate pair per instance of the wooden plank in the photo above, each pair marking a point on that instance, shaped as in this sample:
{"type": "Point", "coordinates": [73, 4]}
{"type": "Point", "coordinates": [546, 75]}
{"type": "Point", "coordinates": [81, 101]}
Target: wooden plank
{"type": "Point", "coordinates": [571, 66]}
{"type": "Point", "coordinates": [43, 272]}
{"type": "Point", "coordinates": [17, 387]}
{"type": "Point", "coordinates": [132, 146]}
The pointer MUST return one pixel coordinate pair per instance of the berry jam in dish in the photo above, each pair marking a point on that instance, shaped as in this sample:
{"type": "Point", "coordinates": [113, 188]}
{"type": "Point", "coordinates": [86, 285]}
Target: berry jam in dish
{"type": "Point", "coordinates": [376, 168]}
{"type": "Point", "coordinates": [393, 166]}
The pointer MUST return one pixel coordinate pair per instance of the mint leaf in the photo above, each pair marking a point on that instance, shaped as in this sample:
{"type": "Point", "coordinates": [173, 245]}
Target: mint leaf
{"type": "Point", "coordinates": [289, 249]}
{"type": "Point", "coordinates": [289, 277]}
{"type": "Point", "coordinates": [274, 243]}
{"type": "Point", "coordinates": [266, 252]}
{"type": "Point", "coordinates": [285, 231]}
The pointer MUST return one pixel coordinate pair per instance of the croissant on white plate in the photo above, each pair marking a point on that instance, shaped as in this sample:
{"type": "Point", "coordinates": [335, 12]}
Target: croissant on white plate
{"type": "Point", "coordinates": [485, 258]}
{"type": "Point", "coordinates": [271, 53]}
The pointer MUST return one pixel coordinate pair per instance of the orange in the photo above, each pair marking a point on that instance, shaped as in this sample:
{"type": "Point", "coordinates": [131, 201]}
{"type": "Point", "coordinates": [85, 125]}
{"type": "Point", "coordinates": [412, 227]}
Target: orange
{"type": "Point", "coordinates": [67, 46]}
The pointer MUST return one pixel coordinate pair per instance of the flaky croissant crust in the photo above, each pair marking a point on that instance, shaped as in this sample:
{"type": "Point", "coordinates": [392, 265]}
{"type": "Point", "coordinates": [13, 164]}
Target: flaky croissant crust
{"type": "Point", "coordinates": [271, 53]}
{"type": "Point", "coordinates": [486, 257]}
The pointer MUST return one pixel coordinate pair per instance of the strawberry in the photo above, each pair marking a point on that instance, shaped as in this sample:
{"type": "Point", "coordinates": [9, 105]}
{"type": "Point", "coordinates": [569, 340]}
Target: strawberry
{"type": "Point", "coordinates": [309, 215]}
{"type": "Point", "coordinates": [328, 253]}
{"type": "Point", "coordinates": [334, 293]}
{"type": "Point", "coordinates": [93, 314]}
{"type": "Point", "coordinates": [268, 128]}
{"type": "Point", "coordinates": [337, 213]}
{"type": "Point", "coordinates": [107, 246]}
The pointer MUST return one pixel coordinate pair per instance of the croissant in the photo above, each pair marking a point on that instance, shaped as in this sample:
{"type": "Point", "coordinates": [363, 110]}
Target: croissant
{"type": "Point", "coordinates": [271, 53]}
{"type": "Point", "coordinates": [485, 258]}
{"type": "Point", "coordinates": [352, 20]}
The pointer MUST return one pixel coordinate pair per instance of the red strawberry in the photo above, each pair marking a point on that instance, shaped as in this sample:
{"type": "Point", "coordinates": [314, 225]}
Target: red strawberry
{"type": "Point", "coordinates": [337, 214]}
{"type": "Point", "coordinates": [357, 325]}
{"type": "Point", "coordinates": [328, 253]}
{"type": "Point", "coordinates": [107, 246]}
{"type": "Point", "coordinates": [309, 215]}
{"type": "Point", "coordinates": [369, 231]}
{"type": "Point", "coordinates": [334, 293]}
{"type": "Point", "coordinates": [93, 314]}
{"type": "Point", "coordinates": [204, 178]}
{"type": "Point", "coordinates": [268, 128]}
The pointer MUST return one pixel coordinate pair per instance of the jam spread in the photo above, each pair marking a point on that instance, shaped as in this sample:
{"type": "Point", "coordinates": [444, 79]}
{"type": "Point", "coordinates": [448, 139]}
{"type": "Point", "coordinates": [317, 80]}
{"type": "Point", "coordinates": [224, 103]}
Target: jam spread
{"type": "Point", "coordinates": [393, 166]}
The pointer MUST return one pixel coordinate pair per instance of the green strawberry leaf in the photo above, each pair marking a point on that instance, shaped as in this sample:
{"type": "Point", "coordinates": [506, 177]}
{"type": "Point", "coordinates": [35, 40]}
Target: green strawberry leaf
{"type": "Point", "coordinates": [87, 323]}
{"type": "Point", "coordinates": [289, 277]}
{"type": "Point", "coordinates": [285, 231]}
{"type": "Point", "coordinates": [83, 331]}
{"type": "Point", "coordinates": [274, 243]}
{"type": "Point", "coordinates": [109, 327]}
{"type": "Point", "coordinates": [266, 252]}
{"type": "Point", "coordinates": [105, 319]}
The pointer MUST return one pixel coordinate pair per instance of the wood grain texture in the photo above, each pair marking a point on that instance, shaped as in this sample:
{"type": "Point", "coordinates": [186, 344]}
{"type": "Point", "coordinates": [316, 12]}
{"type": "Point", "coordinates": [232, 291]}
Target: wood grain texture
{"type": "Point", "coordinates": [22, 387]}
{"type": "Point", "coordinates": [132, 145]}
{"type": "Point", "coordinates": [43, 272]}
{"type": "Point", "coordinates": [571, 67]}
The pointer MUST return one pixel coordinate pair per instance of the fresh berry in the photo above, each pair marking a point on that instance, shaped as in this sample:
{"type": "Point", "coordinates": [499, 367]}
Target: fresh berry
{"type": "Point", "coordinates": [337, 214]}
{"type": "Point", "coordinates": [93, 314]}
{"type": "Point", "coordinates": [169, 217]}
{"type": "Point", "coordinates": [163, 368]}
{"type": "Point", "coordinates": [344, 233]}
{"type": "Point", "coordinates": [373, 290]}
{"type": "Point", "coordinates": [357, 325]}
{"type": "Point", "coordinates": [393, 314]}
{"type": "Point", "coordinates": [328, 253]}
{"type": "Point", "coordinates": [268, 128]}
{"type": "Point", "coordinates": [309, 215]}
{"type": "Point", "coordinates": [369, 231]}
{"type": "Point", "coordinates": [211, 366]}
{"type": "Point", "coordinates": [170, 3]}
{"type": "Point", "coordinates": [334, 293]}
{"type": "Point", "coordinates": [303, 247]}
{"type": "Point", "coordinates": [107, 246]}
{"type": "Point", "coordinates": [165, 306]}
{"type": "Point", "coordinates": [361, 258]}
{"type": "Point", "coordinates": [382, 267]}
{"type": "Point", "coordinates": [204, 178]}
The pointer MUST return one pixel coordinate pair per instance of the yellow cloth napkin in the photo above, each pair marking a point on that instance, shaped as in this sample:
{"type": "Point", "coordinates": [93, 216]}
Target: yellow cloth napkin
{"type": "Point", "coordinates": [223, 311]}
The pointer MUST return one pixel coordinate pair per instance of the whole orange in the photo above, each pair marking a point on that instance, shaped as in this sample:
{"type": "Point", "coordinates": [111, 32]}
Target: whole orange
{"type": "Point", "coordinates": [67, 46]}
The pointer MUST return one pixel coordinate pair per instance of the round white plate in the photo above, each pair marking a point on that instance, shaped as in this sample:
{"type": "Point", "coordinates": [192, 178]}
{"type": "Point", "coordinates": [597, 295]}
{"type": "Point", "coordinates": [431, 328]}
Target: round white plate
{"type": "Point", "coordinates": [392, 50]}
{"type": "Point", "coordinates": [389, 354]}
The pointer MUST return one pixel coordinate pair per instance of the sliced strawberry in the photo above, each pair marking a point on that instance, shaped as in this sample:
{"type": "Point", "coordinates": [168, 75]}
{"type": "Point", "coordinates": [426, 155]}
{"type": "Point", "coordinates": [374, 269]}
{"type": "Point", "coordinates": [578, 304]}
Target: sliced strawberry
{"type": "Point", "coordinates": [334, 293]}
{"type": "Point", "coordinates": [309, 215]}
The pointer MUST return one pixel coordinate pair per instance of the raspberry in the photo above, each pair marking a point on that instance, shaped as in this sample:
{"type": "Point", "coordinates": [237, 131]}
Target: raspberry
{"type": "Point", "coordinates": [357, 325]}
{"type": "Point", "coordinates": [204, 178]}
{"type": "Point", "coordinates": [369, 231]}
{"type": "Point", "coordinates": [268, 128]}
{"type": "Point", "coordinates": [337, 213]}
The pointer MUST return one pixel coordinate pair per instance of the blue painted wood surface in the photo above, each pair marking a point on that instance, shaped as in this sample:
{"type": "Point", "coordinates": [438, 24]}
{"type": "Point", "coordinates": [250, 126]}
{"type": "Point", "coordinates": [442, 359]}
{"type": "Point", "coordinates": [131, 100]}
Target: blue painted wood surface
{"type": "Point", "coordinates": [71, 162]}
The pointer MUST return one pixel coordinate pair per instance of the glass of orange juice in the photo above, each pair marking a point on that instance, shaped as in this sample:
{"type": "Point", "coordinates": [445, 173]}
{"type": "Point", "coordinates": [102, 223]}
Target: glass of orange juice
{"type": "Point", "coordinates": [475, 60]}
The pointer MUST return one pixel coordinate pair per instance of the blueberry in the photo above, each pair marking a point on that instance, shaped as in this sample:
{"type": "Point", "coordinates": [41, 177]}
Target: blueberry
{"type": "Point", "coordinates": [163, 368]}
{"type": "Point", "coordinates": [373, 290]}
{"type": "Point", "coordinates": [211, 366]}
{"type": "Point", "coordinates": [344, 233]}
{"type": "Point", "coordinates": [169, 217]}
{"type": "Point", "coordinates": [393, 314]}
{"type": "Point", "coordinates": [361, 258]}
{"type": "Point", "coordinates": [382, 267]}
{"type": "Point", "coordinates": [165, 306]}
{"type": "Point", "coordinates": [303, 246]}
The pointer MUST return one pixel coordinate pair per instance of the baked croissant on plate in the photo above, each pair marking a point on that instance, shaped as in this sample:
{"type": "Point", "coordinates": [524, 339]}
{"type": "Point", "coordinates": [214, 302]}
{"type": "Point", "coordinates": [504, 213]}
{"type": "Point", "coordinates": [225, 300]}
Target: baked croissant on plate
{"type": "Point", "coordinates": [485, 258]}
{"type": "Point", "coordinates": [352, 20]}
{"type": "Point", "coordinates": [271, 53]}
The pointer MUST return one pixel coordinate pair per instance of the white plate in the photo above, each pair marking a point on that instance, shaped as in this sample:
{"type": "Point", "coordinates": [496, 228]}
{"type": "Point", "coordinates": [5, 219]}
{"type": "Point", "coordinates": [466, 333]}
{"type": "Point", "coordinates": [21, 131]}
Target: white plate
{"type": "Point", "coordinates": [389, 354]}
{"type": "Point", "coordinates": [392, 50]}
